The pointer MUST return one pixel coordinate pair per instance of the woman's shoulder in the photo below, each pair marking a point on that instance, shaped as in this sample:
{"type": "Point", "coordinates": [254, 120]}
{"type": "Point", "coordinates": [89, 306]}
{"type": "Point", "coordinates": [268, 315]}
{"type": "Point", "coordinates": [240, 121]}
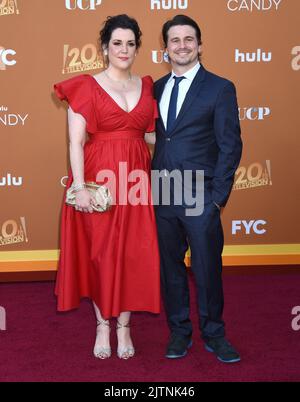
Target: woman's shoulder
{"type": "Point", "coordinates": [148, 83]}
{"type": "Point", "coordinates": [72, 87]}
{"type": "Point", "coordinates": [78, 82]}
{"type": "Point", "coordinates": [82, 78]}
{"type": "Point", "coordinates": [148, 79]}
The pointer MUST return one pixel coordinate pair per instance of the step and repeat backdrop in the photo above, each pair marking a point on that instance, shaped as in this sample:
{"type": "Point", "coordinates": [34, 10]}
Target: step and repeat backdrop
{"type": "Point", "coordinates": [254, 43]}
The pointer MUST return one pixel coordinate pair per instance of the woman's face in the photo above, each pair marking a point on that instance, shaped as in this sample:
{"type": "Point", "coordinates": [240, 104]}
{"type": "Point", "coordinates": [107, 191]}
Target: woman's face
{"type": "Point", "coordinates": [122, 49]}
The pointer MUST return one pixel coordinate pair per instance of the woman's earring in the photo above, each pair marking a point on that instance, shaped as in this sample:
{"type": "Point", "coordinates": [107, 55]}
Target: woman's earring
{"type": "Point", "coordinates": [105, 52]}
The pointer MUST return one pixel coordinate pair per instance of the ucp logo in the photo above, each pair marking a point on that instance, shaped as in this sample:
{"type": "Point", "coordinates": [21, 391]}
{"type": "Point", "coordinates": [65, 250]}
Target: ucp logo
{"type": "Point", "coordinates": [83, 4]}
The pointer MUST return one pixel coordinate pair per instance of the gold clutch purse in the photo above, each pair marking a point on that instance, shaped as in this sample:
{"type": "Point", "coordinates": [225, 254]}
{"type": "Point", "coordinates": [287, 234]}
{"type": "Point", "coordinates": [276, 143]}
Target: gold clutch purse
{"type": "Point", "coordinates": [100, 193]}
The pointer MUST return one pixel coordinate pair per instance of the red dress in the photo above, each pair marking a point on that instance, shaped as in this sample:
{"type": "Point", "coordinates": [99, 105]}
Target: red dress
{"type": "Point", "coordinates": [110, 257]}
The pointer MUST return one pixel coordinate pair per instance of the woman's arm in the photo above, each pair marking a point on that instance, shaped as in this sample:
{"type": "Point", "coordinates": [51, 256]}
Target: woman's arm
{"type": "Point", "coordinates": [77, 138]}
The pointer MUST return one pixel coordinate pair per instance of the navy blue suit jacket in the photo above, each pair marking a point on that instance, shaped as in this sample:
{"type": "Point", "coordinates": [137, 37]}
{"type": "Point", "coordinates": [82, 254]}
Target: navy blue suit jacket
{"type": "Point", "coordinates": [206, 135]}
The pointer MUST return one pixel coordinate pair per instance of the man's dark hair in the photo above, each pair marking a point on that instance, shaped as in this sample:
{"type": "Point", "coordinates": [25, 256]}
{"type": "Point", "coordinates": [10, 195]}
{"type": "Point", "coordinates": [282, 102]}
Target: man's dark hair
{"type": "Point", "coordinates": [180, 20]}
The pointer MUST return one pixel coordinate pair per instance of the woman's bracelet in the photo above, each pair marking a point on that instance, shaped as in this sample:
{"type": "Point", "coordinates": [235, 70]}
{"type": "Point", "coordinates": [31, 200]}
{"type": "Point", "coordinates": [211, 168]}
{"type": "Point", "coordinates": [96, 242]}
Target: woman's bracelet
{"type": "Point", "coordinates": [78, 187]}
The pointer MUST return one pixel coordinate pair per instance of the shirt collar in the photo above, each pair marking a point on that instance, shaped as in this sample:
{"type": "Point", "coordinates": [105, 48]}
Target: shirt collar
{"type": "Point", "coordinates": [189, 75]}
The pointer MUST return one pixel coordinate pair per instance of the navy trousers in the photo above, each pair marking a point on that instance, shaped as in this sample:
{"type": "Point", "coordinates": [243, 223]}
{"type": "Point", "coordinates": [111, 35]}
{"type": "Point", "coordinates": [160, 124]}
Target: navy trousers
{"type": "Point", "coordinates": [204, 234]}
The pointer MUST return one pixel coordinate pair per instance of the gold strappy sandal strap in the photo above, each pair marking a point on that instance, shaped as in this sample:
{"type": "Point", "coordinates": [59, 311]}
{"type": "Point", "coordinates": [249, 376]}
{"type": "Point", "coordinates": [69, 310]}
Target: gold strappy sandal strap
{"type": "Point", "coordinates": [102, 352]}
{"type": "Point", "coordinates": [127, 352]}
{"type": "Point", "coordinates": [103, 322]}
{"type": "Point", "coordinates": [119, 325]}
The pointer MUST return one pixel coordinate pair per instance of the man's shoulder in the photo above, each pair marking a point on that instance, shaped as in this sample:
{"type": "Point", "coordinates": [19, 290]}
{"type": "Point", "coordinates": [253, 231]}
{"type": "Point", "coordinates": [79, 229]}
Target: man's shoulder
{"type": "Point", "coordinates": [161, 80]}
{"type": "Point", "coordinates": [217, 80]}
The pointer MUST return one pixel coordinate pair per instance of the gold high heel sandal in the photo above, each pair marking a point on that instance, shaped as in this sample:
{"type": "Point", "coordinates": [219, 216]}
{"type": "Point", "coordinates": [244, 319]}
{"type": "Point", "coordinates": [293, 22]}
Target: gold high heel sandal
{"type": "Point", "coordinates": [100, 352]}
{"type": "Point", "coordinates": [126, 352]}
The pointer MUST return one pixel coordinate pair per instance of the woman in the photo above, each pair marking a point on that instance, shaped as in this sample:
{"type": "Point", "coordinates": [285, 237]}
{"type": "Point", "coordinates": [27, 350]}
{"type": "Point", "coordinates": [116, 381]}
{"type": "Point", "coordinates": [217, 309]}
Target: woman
{"type": "Point", "coordinates": [110, 257]}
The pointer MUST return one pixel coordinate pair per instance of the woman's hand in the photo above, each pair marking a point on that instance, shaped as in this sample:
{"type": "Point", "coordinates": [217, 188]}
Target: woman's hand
{"type": "Point", "coordinates": [84, 201]}
{"type": "Point", "coordinates": [150, 138]}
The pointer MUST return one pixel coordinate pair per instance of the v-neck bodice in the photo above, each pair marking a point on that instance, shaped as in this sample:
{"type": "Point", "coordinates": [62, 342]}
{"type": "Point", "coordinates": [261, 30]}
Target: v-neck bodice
{"type": "Point", "coordinates": [101, 112]}
{"type": "Point", "coordinates": [114, 101]}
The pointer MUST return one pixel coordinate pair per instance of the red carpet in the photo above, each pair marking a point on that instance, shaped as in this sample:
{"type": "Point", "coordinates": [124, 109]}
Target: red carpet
{"type": "Point", "coordinates": [41, 345]}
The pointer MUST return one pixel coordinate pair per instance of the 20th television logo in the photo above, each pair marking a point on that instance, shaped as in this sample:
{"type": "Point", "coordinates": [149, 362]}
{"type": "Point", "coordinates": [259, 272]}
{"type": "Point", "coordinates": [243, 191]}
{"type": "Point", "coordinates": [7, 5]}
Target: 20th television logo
{"type": "Point", "coordinates": [79, 60]}
{"type": "Point", "coordinates": [8, 7]}
{"type": "Point", "coordinates": [255, 175]}
{"type": "Point", "coordinates": [13, 232]}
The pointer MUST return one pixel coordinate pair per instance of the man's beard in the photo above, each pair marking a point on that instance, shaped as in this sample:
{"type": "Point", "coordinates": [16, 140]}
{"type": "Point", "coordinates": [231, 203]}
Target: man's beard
{"type": "Point", "coordinates": [184, 62]}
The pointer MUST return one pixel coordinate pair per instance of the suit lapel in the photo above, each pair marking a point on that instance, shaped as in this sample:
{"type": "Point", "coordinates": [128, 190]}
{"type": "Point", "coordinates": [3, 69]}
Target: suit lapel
{"type": "Point", "coordinates": [190, 96]}
{"type": "Point", "coordinates": [160, 87]}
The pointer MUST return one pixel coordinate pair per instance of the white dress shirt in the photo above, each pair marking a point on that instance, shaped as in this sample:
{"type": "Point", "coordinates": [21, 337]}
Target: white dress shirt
{"type": "Point", "coordinates": [184, 86]}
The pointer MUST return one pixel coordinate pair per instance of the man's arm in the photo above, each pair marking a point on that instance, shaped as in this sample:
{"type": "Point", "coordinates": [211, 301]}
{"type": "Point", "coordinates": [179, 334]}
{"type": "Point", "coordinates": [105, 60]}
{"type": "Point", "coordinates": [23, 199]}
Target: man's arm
{"type": "Point", "coordinates": [228, 137]}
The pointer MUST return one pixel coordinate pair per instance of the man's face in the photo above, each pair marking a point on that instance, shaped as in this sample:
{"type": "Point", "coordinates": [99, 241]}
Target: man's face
{"type": "Point", "coordinates": [183, 47]}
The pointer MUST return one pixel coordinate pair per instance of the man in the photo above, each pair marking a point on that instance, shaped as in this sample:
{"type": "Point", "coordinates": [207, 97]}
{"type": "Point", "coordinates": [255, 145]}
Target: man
{"type": "Point", "coordinates": [198, 129]}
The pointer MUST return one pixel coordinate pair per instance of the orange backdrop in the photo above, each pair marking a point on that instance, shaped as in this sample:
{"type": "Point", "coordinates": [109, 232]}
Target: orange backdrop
{"type": "Point", "coordinates": [255, 43]}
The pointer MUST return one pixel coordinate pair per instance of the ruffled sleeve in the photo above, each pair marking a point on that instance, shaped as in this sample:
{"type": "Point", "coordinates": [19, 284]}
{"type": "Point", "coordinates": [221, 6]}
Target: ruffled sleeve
{"type": "Point", "coordinates": [77, 91]}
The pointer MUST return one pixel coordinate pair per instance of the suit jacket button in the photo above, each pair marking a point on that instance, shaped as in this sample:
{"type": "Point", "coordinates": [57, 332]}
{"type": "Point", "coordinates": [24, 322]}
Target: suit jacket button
{"type": "Point", "coordinates": [168, 139]}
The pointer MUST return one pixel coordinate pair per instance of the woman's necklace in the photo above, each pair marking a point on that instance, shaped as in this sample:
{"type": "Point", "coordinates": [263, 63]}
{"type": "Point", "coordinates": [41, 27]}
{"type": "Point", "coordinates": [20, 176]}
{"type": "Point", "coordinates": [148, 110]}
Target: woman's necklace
{"type": "Point", "coordinates": [123, 82]}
